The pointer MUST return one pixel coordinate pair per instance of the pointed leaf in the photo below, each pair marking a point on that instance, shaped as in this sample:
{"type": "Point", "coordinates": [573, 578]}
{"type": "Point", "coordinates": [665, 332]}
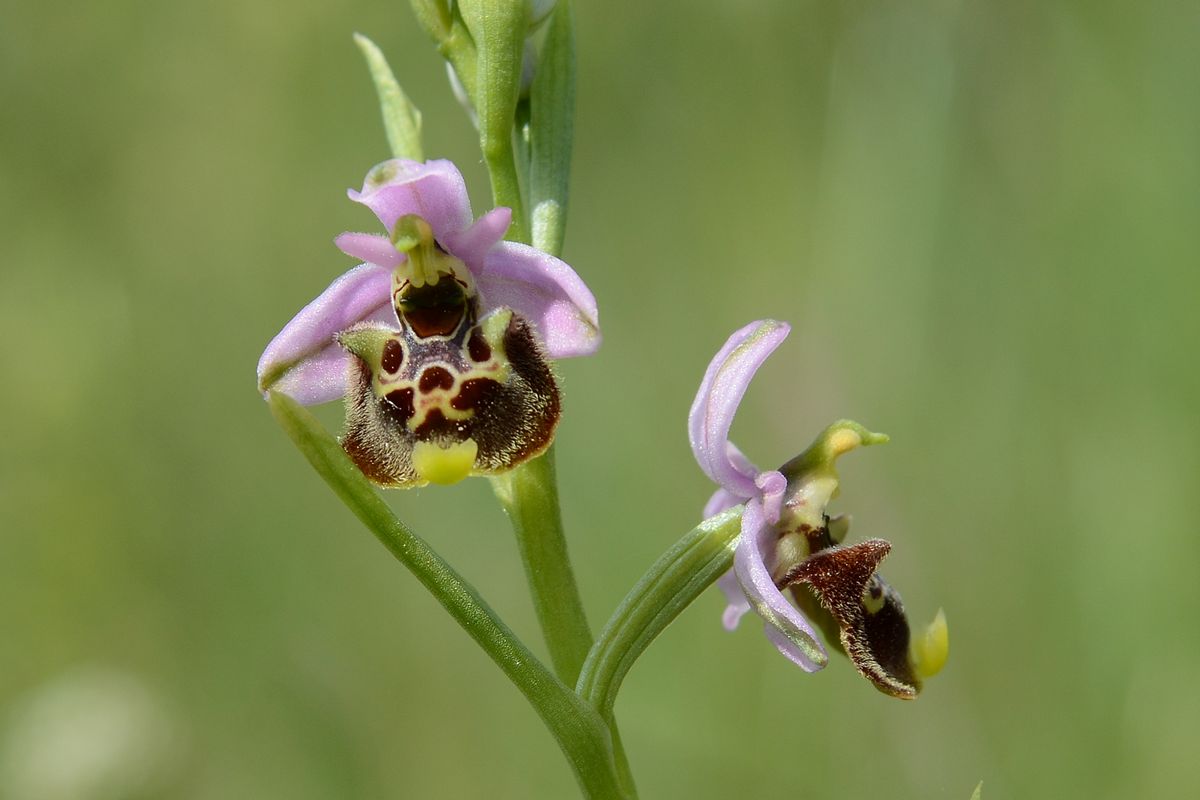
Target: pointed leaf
{"type": "Point", "coordinates": [551, 129]}
{"type": "Point", "coordinates": [401, 119]}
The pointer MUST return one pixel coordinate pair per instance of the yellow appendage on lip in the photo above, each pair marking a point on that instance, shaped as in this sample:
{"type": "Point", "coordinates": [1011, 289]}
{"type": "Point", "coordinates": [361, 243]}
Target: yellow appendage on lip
{"type": "Point", "coordinates": [444, 465]}
{"type": "Point", "coordinates": [930, 650]}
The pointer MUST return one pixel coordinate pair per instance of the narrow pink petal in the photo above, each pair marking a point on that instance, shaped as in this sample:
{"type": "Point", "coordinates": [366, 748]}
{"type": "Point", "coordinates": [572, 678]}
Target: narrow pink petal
{"type": "Point", "coordinates": [547, 292]}
{"type": "Point", "coordinates": [433, 190]}
{"type": "Point", "coordinates": [371, 248]}
{"type": "Point", "coordinates": [738, 605]}
{"type": "Point", "coordinates": [785, 626]}
{"type": "Point", "coordinates": [771, 486]}
{"type": "Point", "coordinates": [302, 359]}
{"type": "Point", "coordinates": [720, 393]}
{"type": "Point", "coordinates": [788, 648]}
{"type": "Point", "coordinates": [720, 501]}
{"type": "Point", "coordinates": [739, 461]}
{"type": "Point", "coordinates": [472, 244]}
{"type": "Point", "coordinates": [743, 466]}
{"type": "Point", "coordinates": [320, 378]}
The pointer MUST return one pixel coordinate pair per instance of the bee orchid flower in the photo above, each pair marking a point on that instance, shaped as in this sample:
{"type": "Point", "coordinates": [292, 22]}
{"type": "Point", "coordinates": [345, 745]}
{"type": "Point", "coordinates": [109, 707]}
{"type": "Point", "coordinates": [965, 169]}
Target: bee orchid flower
{"type": "Point", "coordinates": [440, 339]}
{"type": "Point", "coordinates": [789, 544]}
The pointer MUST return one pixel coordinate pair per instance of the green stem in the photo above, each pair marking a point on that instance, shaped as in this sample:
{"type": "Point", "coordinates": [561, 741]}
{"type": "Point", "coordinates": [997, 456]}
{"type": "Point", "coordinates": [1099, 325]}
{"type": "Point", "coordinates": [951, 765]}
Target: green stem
{"type": "Point", "coordinates": [522, 142]}
{"type": "Point", "coordinates": [433, 16]}
{"type": "Point", "coordinates": [529, 495]}
{"type": "Point", "coordinates": [498, 30]}
{"type": "Point", "coordinates": [501, 162]}
{"type": "Point", "coordinates": [459, 49]}
{"type": "Point", "coordinates": [668, 587]}
{"type": "Point", "coordinates": [578, 729]}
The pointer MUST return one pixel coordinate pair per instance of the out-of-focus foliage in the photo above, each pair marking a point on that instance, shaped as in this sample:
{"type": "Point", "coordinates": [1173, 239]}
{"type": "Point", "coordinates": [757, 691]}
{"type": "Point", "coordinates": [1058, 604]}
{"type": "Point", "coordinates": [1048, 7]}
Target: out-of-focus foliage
{"type": "Point", "coordinates": [980, 218]}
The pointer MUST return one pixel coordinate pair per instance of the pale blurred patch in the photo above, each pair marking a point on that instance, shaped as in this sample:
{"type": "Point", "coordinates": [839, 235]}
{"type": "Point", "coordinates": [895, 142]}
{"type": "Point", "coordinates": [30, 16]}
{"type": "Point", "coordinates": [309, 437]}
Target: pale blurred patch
{"type": "Point", "coordinates": [91, 733]}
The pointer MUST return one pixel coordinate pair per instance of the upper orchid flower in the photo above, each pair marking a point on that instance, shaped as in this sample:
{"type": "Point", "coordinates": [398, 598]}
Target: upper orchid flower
{"type": "Point", "coordinates": [788, 541]}
{"type": "Point", "coordinates": [440, 338]}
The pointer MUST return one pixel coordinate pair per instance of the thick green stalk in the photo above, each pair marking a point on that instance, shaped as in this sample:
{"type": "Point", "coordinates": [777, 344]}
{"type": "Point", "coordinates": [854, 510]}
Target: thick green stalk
{"type": "Point", "coordinates": [529, 495]}
{"type": "Point", "coordinates": [499, 29]}
{"type": "Point", "coordinates": [578, 729]}
{"type": "Point", "coordinates": [678, 577]}
{"type": "Point", "coordinates": [433, 16]}
{"type": "Point", "coordinates": [458, 48]}
{"type": "Point", "coordinates": [447, 29]}
{"type": "Point", "coordinates": [521, 143]}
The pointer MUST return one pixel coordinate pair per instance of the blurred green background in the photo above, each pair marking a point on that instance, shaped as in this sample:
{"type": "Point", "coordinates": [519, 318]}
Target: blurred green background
{"type": "Point", "coordinates": [980, 218]}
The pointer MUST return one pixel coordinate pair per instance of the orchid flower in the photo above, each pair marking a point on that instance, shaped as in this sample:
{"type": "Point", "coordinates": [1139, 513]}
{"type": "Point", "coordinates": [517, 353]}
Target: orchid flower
{"type": "Point", "coordinates": [789, 542]}
{"type": "Point", "coordinates": [439, 340]}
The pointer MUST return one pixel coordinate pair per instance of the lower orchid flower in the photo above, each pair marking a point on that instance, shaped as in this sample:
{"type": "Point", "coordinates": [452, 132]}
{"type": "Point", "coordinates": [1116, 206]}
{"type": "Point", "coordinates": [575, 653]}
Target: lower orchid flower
{"type": "Point", "coordinates": [788, 542]}
{"type": "Point", "coordinates": [440, 339]}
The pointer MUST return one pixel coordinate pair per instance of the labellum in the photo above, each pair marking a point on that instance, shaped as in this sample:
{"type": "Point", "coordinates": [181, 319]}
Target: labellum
{"type": "Point", "coordinates": [871, 625]}
{"type": "Point", "coordinates": [838, 587]}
